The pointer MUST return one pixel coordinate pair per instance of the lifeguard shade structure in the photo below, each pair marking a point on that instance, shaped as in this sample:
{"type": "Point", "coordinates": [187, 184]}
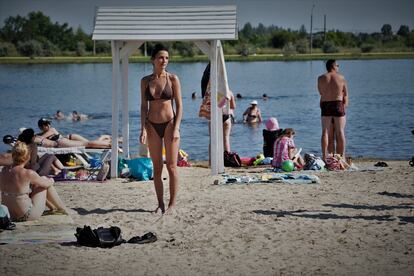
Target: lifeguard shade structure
{"type": "Point", "coordinates": [129, 27]}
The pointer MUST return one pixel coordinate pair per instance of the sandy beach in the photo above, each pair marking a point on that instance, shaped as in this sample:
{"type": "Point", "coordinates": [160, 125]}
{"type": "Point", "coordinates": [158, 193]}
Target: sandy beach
{"type": "Point", "coordinates": [352, 223]}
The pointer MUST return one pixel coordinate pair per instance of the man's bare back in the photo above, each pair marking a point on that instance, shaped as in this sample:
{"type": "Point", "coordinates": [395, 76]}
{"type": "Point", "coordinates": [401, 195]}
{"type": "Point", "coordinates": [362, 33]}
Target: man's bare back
{"type": "Point", "coordinates": [332, 87]}
{"type": "Point", "coordinates": [334, 99]}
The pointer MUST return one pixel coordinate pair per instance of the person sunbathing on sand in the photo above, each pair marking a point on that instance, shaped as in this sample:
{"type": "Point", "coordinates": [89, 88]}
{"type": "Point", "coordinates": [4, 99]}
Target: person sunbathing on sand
{"type": "Point", "coordinates": [24, 192]}
{"type": "Point", "coordinates": [50, 137]}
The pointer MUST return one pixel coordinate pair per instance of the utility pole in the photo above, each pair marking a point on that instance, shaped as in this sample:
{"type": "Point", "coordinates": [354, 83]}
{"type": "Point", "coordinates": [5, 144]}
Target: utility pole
{"type": "Point", "coordinates": [311, 25]}
{"type": "Point", "coordinates": [94, 20]}
{"type": "Point", "coordinates": [324, 28]}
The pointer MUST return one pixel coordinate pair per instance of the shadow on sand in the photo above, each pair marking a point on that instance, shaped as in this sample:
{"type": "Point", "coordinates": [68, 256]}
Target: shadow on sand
{"type": "Point", "coordinates": [83, 212]}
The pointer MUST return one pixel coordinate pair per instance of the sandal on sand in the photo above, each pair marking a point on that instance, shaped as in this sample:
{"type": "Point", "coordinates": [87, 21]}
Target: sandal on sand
{"type": "Point", "coordinates": [381, 164]}
{"type": "Point", "coordinates": [146, 238]}
{"type": "Point", "coordinates": [53, 212]}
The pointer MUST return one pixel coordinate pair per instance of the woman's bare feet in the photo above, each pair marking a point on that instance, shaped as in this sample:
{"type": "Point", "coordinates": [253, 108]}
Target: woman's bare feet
{"type": "Point", "coordinates": [160, 210]}
{"type": "Point", "coordinates": [170, 210]}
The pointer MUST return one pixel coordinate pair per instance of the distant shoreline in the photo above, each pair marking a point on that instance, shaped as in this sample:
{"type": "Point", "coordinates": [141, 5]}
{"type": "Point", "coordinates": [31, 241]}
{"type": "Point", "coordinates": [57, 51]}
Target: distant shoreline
{"type": "Point", "coordinates": [202, 58]}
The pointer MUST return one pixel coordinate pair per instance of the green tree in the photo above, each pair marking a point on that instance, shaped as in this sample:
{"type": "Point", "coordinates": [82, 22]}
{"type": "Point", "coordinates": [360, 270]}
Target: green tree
{"type": "Point", "coordinates": [50, 49]}
{"type": "Point", "coordinates": [410, 39]}
{"type": "Point", "coordinates": [7, 49]}
{"type": "Point", "coordinates": [302, 32]}
{"type": "Point", "coordinates": [281, 38]}
{"type": "Point", "coordinates": [329, 47]}
{"type": "Point", "coordinates": [80, 49]}
{"type": "Point", "coordinates": [386, 32]}
{"type": "Point", "coordinates": [302, 46]}
{"type": "Point", "coordinates": [185, 49]}
{"type": "Point", "coordinates": [404, 31]}
{"type": "Point", "coordinates": [102, 47]}
{"type": "Point", "coordinates": [81, 36]}
{"type": "Point", "coordinates": [247, 31]}
{"type": "Point", "coordinates": [30, 48]}
{"type": "Point", "coordinates": [12, 30]}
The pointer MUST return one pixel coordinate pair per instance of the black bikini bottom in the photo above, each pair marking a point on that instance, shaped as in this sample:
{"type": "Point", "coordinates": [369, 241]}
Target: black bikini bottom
{"type": "Point", "coordinates": [228, 116]}
{"type": "Point", "coordinates": [160, 127]}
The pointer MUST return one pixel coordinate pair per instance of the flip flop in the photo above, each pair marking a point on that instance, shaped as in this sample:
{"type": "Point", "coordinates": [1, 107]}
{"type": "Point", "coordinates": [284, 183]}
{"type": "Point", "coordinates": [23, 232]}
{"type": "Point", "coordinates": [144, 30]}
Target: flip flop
{"type": "Point", "coordinates": [381, 164]}
{"type": "Point", "coordinates": [146, 238]}
{"type": "Point", "coordinates": [53, 212]}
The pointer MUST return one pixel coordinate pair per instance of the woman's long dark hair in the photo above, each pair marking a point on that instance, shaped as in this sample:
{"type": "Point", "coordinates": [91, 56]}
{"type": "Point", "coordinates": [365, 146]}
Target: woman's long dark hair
{"type": "Point", "coordinates": [26, 136]}
{"type": "Point", "coordinates": [157, 48]}
{"type": "Point", "coordinates": [205, 79]}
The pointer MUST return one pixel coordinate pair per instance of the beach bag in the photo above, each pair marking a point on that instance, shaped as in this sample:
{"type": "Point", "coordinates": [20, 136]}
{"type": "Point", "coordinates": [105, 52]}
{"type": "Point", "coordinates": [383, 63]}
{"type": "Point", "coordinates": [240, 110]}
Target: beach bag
{"type": "Point", "coordinates": [312, 162]}
{"type": "Point", "coordinates": [100, 237]}
{"type": "Point", "coordinates": [232, 159]}
{"type": "Point", "coordinates": [5, 222]}
{"type": "Point", "coordinates": [335, 163]}
{"type": "Point", "coordinates": [140, 168]}
{"type": "Point", "coordinates": [103, 172]}
{"type": "Point", "coordinates": [182, 159]}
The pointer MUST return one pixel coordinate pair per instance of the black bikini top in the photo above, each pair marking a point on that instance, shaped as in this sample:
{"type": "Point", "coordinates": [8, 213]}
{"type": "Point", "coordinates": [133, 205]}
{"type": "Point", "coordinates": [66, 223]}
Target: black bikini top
{"type": "Point", "coordinates": [54, 137]}
{"type": "Point", "coordinates": [166, 94]}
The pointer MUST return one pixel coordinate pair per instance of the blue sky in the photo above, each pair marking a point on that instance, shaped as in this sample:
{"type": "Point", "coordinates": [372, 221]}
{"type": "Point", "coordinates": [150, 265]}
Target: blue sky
{"type": "Point", "coordinates": [344, 15]}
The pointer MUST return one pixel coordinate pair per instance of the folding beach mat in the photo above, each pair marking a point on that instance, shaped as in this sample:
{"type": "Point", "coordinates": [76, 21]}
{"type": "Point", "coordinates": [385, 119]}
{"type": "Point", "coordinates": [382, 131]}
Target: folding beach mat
{"type": "Point", "coordinates": [47, 229]}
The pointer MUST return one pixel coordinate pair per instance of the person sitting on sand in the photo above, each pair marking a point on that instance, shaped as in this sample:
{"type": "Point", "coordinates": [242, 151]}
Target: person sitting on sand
{"type": "Point", "coordinates": [270, 134]}
{"type": "Point", "coordinates": [50, 137]}
{"type": "Point", "coordinates": [252, 114]}
{"type": "Point", "coordinates": [284, 149]}
{"type": "Point", "coordinates": [59, 115]}
{"type": "Point", "coordinates": [45, 165]}
{"type": "Point", "coordinates": [24, 192]}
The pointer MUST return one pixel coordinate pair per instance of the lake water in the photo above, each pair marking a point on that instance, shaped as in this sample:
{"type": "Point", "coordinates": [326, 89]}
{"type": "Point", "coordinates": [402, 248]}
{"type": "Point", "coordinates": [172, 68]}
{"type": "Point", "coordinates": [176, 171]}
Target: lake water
{"type": "Point", "coordinates": [379, 118]}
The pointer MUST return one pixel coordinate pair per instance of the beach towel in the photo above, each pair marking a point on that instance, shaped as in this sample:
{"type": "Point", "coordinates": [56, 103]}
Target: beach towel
{"type": "Point", "coordinates": [46, 229]}
{"type": "Point", "coordinates": [289, 178]}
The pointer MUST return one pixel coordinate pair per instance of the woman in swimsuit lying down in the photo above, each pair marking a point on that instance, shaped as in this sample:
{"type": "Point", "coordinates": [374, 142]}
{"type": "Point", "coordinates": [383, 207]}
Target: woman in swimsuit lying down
{"type": "Point", "coordinates": [50, 137]}
{"type": "Point", "coordinates": [24, 192]}
{"type": "Point", "coordinates": [160, 124]}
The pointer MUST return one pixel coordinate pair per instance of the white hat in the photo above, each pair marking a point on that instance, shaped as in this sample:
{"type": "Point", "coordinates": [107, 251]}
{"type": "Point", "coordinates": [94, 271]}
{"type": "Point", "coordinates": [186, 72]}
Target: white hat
{"type": "Point", "coordinates": [253, 102]}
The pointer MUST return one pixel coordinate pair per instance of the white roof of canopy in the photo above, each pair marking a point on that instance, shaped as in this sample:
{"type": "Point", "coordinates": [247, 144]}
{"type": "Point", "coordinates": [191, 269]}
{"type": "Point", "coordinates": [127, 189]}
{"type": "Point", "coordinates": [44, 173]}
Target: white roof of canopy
{"type": "Point", "coordinates": [175, 23]}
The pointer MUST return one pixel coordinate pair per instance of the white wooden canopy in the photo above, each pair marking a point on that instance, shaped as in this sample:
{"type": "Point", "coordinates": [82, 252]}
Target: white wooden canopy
{"type": "Point", "coordinates": [129, 27]}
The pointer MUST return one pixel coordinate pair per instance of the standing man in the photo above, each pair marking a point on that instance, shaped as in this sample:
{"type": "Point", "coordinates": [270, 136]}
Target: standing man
{"type": "Point", "coordinates": [334, 99]}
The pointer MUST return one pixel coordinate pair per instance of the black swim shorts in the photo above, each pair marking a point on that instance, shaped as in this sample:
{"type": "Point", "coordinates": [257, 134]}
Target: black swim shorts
{"type": "Point", "coordinates": [333, 108]}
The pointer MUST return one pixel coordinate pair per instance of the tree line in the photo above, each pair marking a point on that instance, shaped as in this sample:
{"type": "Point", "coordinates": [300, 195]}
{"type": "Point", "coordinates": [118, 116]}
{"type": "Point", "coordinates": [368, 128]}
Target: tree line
{"type": "Point", "coordinates": [36, 35]}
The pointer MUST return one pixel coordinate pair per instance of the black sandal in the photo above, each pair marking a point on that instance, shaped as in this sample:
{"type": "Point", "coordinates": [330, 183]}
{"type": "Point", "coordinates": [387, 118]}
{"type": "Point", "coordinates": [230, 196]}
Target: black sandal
{"type": "Point", "coordinates": [381, 164]}
{"type": "Point", "coordinates": [146, 238]}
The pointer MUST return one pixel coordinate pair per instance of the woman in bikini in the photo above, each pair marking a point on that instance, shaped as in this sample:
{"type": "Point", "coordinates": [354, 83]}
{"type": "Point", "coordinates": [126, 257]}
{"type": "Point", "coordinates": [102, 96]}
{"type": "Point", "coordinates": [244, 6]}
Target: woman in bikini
{"type": "Point", "coordinates": [44, 165]}
{"type": "Point", "coordinates": [50, 137]}
{"type": "Point", "coordinates": [160, 124]}
{"type": "Point", "coordinates": [24, 192]}
{"type": "Point", "coordinates": [252, 114]}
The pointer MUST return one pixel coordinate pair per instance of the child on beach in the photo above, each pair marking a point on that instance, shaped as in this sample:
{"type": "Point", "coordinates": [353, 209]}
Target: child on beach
{"type": "Point", "coordinates": [270, 134]}
{"type": "Point", "coordinates": [284, 149]}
